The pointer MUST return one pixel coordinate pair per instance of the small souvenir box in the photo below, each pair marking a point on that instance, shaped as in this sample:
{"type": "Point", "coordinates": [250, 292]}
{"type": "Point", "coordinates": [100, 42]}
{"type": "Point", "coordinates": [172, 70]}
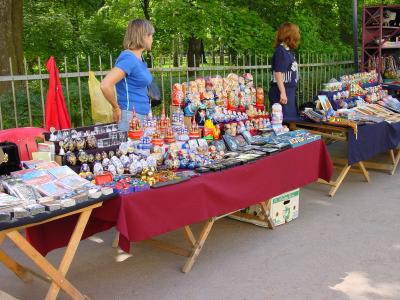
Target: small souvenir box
{"type": "Point", "coordinates": [5, 216]}
{"type": "Point", "coordinates": [20, 212]}
{"type": "Point", "coordinates": [35, 209]}
{"type": "Point", "coordinates": [67, 202]}
{"type": "Point", "coordinates": [52, 206]}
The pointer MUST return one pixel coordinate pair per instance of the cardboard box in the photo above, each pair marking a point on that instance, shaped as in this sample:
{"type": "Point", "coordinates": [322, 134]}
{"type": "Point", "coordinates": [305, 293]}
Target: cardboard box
{"type": "Point", "coordinates": [284, 208]}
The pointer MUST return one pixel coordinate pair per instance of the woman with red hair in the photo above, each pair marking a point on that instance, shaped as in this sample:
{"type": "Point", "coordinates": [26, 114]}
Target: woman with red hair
{"type": "Point", "coordinates": [285, 73]}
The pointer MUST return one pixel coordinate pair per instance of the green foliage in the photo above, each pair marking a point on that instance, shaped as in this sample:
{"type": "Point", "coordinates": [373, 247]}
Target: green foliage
{"type": "Point", "coordinates": [96, 27]}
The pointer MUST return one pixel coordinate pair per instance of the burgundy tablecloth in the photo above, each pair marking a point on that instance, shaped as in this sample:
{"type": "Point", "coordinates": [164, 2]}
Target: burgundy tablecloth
{"type": "Point", "coordinates": [147, 214]}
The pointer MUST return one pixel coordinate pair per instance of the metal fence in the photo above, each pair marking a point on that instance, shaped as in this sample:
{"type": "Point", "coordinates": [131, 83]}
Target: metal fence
{"type": "Point", "coordinates": [22, 97]}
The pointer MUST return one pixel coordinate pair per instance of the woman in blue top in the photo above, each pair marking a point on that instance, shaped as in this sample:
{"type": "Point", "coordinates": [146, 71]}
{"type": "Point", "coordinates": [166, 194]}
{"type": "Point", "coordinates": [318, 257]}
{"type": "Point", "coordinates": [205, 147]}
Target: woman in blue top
{"type": "Point", "coordinates": [130, 75]}
{"type": "Point", "coordinates": [285, 70]}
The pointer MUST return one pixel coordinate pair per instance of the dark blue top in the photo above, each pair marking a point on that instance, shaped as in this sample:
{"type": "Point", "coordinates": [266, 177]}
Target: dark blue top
{"type": "Point", "coordinates": [132, 90]}
{"type": "Point", "coordinates": [284, 61]}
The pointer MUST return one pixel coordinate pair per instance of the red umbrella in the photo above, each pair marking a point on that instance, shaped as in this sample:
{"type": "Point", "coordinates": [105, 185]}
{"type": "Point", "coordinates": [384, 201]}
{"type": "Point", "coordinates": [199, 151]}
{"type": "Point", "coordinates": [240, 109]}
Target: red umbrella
{"type": "Point", "coordinates": [57, 115]}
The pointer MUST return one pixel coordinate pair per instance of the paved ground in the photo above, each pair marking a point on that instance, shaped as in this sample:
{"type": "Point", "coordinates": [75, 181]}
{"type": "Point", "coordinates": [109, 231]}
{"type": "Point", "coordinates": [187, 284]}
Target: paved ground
{"type": "Point", "coordinates": [346, 247]}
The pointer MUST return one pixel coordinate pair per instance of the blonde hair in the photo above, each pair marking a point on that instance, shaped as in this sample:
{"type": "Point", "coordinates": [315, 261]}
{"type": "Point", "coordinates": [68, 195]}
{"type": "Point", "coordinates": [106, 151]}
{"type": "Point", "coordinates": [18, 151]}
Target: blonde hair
{"type": "Point", "coordinates": [137, 30]}
{"type": "Point", "coordinates": [289, 34]}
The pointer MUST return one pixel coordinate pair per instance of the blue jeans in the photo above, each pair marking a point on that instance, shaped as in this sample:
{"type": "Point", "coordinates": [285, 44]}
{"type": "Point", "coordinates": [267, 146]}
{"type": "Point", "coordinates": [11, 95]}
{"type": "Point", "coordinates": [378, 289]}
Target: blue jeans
{"type": "Point", "coordinates": [126, 116]}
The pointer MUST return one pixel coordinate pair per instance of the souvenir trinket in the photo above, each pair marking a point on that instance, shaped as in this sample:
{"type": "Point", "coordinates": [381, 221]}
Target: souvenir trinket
{"type": "Point", "coordinates": [62, 151]}
{"type": "Point", "coordinates": [169, 137]}
{"type": "Point", "coordinates": [80, 143]}
{"type": "Point", "coordinates": [135, 132]}
{"type": "Point", "coordinates": [82, 156]}
{"type": "Point", "coordinates": [85, 172]}
{"type": "Point", "coordinates": [90, 158]}
{"type": "Point", "coordinates": [112, 169]}
{"type": "Point", "coordinates": [105, 163]}
{"type": "Point", "coordinates": [68, 145]}
{"type": "Point", "coordinates": [104, 155]}
{"type": "Point", "coordinates": [135, 167]}
{"type": "Point", "coordinates": [98, 157]}
{"type": "Point", "coordinates": [177, 94]}
{"type": "Point", "coordinates": [91, 142]}
{"type": "Point", "coordinates": [70, 158]}
{"type": "Point", "coordinates": [98, 168]}
{"type": "Point", "coordinates": [277, 116]}
{"type": "Point", "coordinates": [260, 98]}
{"type": "Point", "coordinates": [53, 137]}
{"type": "Point", "coordinates": [194, 131]}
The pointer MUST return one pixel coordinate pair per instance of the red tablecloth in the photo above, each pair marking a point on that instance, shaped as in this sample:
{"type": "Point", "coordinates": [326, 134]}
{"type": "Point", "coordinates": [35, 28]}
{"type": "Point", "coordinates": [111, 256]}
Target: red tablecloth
{"type": "Point", "coordinates": [147, 214]}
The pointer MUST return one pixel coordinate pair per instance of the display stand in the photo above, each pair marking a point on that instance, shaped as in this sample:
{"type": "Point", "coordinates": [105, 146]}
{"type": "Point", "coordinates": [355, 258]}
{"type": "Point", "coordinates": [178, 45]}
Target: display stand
{"type": "Point", "coordinates": [56, 276]}
{"type": "Point", "coordinates": [334, 133]}
{"type": "Point", "coordinates": [196, 245]}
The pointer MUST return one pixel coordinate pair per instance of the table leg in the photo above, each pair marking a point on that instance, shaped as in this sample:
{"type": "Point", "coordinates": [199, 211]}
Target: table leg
{"type": "Point", "coordinates": [116, 240]}
{"type": "Point", "coordinates": [396, 160]}
{"type": "Point", "coordinates": [189, 236]}
{"type": "Point", "coordinates": [70, 251]}
{"type": "Point", "coordinates": [339, 180]}
{"type": "Point", "coordinates": [364, 171]}
{"type": "Point", "coordinates": [265, 211]}
{"type": "Point", "coordinates": [11, 264]}
{"type": "Point", "coordinates": [199, 245]}
{"type": "Point", "coordinates": [55, 275]}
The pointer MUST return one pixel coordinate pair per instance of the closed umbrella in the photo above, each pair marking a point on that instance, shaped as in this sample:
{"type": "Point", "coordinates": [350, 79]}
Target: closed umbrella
{"type": "Point", "coordinates": [57, 115]}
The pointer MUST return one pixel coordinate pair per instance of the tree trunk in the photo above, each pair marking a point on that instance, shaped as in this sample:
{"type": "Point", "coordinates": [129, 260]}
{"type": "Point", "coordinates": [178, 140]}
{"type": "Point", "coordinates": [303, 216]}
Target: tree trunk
{"type": "Point", "coordinates": [221, 55]}
{"type": "Point", "coordinates": [194, 52]}
{"type": "Point", "coordinates": [145, 7]}
{"type": "Point", "coordinates": [175, 49]}
{"type": "Point", "coordinates": [11, 29]}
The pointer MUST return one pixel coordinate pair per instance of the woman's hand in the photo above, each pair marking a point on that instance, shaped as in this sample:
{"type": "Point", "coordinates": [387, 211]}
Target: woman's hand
{"type": "Point", "coordinates": [281, 86]}
{"type": "Point", "coordinates": [283, 99]}
{"type": "Point", "coordinates": [116, 114]}
{"type": "Point", "coordinates": [107, 87]}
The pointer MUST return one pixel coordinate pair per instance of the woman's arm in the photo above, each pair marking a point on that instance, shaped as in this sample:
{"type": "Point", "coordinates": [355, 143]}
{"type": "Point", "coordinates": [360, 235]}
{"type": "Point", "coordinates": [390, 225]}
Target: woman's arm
{"type": "Point", "coordinates": [107, 87]}
{"type": "Point", "coordinates": [281, 86]}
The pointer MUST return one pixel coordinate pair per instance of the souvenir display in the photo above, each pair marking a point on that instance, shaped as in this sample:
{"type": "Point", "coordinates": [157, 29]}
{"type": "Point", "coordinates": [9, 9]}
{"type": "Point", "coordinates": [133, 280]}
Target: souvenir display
{"type": "Point", "coordinates": [33, 192]}
{"type": "Point", "coordinates": [214, 123]}
{"type": "Point", "coordinates": [358, 98]}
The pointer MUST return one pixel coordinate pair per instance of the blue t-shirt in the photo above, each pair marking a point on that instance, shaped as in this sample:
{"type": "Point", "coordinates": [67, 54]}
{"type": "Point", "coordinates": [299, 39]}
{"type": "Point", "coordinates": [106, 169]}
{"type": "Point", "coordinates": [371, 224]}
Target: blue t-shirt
{"type": "Point", "coordinates": [284, 61]}
{"type": "Point", "coordinates": [134, 84]}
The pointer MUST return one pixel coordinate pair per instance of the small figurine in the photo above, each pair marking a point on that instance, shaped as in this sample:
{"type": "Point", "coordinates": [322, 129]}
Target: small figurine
{"type": "Point", "coordinates": [53, 137]}
{"type": "Point", "coordinates": [83, 157]}
{"type": "Point", "coordinates": [70, 158]}
{"type": "Point", "coordinates": [135, 132]}
{"type": "Point", "coordinates": [194, 131]}
{"type": "Point", "coordinates": [200, 115]}
{"type": "Point", "coordinates": [260, 98]}
{"type": "Point", "coordinates": [169, 137]}
{"type": "Point", "coordinates": [277, 115]}
{"type": "Point", "coordinates": [177, 94]}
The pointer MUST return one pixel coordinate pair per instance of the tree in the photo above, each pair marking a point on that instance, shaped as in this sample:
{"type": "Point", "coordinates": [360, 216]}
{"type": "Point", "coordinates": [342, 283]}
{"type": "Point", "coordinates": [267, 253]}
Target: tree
{"type": "Point", "coordinates": [11, 29]}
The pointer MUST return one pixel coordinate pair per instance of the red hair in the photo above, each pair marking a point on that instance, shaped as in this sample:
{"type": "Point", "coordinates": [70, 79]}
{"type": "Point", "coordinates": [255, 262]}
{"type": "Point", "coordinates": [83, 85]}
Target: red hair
{"type": "Point", "coordinates": [289, 34]}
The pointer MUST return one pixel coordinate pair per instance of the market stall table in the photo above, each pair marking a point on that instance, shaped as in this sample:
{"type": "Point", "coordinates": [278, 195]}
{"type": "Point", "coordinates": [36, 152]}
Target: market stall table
{"type": "Point", "coordinates": [56, 276]}
{"type": "Point", "coordinates": [371, 139]}
{"type": "Point", "coordinates": [144, 215]}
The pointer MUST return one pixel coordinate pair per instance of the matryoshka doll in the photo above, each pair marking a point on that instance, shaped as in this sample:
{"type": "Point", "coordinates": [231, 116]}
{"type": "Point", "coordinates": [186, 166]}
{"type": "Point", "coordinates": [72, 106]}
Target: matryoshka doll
{"type": "Point", "coordinates": [260, 98]}
{"type": "Point", "coordinates": [277, 115]}
{"type": "Point", "coordinates": [177, 95]}
{"type": "Point", "coordinates": [201, 86]}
